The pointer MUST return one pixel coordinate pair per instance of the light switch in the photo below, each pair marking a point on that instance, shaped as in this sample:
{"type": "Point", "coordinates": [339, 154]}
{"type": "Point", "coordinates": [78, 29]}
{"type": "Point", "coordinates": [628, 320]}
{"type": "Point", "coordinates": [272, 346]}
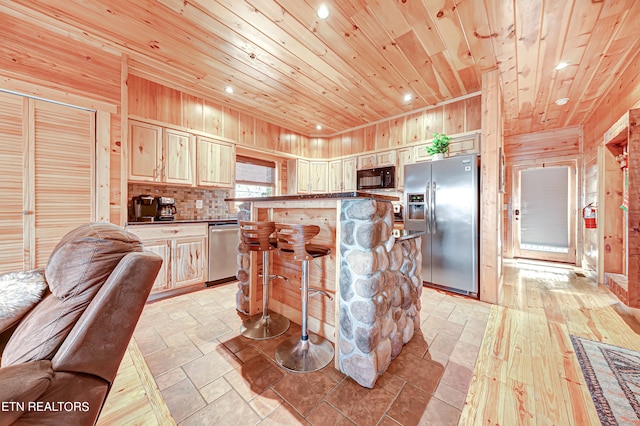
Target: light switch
{"type": "Point", "coordinates": [199, 204]}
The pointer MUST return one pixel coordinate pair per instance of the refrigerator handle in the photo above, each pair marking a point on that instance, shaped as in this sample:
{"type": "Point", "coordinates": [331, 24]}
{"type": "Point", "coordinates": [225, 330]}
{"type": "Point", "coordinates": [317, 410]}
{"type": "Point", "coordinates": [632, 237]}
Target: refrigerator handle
{"type": "Point", "coordinates": [427, 207]}
{"type": "Point", "coordinates": [433, 205]}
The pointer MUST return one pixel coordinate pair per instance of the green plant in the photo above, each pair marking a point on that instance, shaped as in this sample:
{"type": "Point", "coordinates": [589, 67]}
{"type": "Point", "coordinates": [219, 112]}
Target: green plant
{"type": "Point", "coordinates": [439, 144]}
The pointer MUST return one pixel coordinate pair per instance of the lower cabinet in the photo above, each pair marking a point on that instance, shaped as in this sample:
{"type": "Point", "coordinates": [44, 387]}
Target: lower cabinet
{"type": "Point", "coordinates": [183, 248]}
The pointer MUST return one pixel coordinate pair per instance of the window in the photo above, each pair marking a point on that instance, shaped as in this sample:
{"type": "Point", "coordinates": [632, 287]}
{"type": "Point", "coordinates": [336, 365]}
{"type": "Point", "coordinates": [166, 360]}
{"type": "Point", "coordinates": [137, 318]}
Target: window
{"type": "Point", "coordinates": [254, 177]}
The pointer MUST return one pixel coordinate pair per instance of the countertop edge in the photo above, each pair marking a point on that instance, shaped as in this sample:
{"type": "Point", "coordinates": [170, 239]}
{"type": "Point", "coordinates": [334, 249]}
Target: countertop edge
{"type": "Point", "coordinates": [322, 196]}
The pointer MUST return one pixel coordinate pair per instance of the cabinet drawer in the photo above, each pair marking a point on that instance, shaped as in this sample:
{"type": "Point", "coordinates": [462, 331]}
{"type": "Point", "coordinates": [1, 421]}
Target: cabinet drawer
{"type": "Point", "coordinates": [168, 231]}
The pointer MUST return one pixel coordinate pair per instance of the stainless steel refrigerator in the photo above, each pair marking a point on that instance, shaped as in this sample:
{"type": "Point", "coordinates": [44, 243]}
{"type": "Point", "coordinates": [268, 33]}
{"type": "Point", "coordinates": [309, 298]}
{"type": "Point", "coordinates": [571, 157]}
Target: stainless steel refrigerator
{"type": "Point", "coordinates": [442, 198]}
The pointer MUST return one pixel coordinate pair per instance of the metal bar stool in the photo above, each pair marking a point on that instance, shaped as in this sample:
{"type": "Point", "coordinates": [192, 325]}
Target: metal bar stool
{"type": "Point", "coordinates": [308, 352]}
{"type": "Point", "coordinates": [254, 236]}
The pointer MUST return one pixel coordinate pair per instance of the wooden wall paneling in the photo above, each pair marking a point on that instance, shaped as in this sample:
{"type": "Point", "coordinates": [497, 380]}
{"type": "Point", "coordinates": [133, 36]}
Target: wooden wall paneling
{"type": "Point", "coordinates": [590, 236]}
{"type": "Point", "coordinates": [53, 59]}
{"type": "Point", "coordinates": [383, 134]}
{"type": "Point", "coordinates": [611, 217]}
{"type": "Point", "coordinates": [633, 275]}
{"type": "Point", "coordinates": [103, 167]}
{"type": "Point", "coordinates": [616, 103]}
{"type": "Point", "coordinates": [297, 144]}
{"type": "Point", "coordinates": [334, 144]}
{"type": "Point", "coordinates": [192, 112]}
{"type": "Point", "coordinates": [397, 132]}
{"type": "Point", "coordinates": [370, 138]}
{"type": "Point", "coordinates": [491, 204]}
{"type": "Point", "coordinates": [433, 121]}
{"type": "Point", "coordinates": [12, 176]}
{"type": "Point", "coordinates": [212, 118]}
{"type": "Point", "coordinates": [29, 188]}
{"type": "Point", "coordinates": [142, 97]}
{"type": "Point", "coordinates": [247, 131]}
{"type": "Point", "coordinates": [414, 127]}
{"type": "Point", "coordinates": [547, 144]}
{"type": "Point", "coordinates": [230, 123]}
{"type": "Point", "coordinates": [454, 117]}
{"type": "Point", "coordinates": [356, 143]}
{"type": "Point", "coordinates": [169, 105]}
{"type": "Point", "coordinates": [120, 150]}
{"type": "Point", "coordinates": [286, 141]}
{"type": "Point", "coordinates": [473, 114]}
{"type": "Point", "coordinates": [267, 135]}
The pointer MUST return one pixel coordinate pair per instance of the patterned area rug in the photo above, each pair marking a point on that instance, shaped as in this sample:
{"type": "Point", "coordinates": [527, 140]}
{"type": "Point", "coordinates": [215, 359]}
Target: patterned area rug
{"type": "Point", "coordinates": [613, 377]}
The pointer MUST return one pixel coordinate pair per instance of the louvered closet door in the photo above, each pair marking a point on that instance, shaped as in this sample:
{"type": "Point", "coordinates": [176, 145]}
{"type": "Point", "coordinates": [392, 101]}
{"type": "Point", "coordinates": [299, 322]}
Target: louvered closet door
{"type": "Point", "coordinates": [63, 169]}
{"type": "Point", "coordinates": [11, 167]}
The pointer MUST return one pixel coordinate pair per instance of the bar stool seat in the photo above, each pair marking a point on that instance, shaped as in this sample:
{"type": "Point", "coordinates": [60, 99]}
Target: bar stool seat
{"type": "Point", "coordinates": [256, 236]}
{"type": "Point", "coordinates": [309, 352]}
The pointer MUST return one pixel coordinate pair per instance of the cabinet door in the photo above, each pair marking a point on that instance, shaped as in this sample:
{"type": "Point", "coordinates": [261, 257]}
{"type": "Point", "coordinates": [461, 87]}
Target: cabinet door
{"type": "Point", "coordinates": [11, 226]}
{"type": "Point", "coordinates": [216, 163]}
{"type": "Point", "coordinates": [188, 261]}
{"type": "Point", "coordinates": [318, 176]}
{"type": "Point", "coordinates": [387, 158]}
{"type": "Point", "coordinates": [302, 173]}
{"type": "Point", "coordinates": [178, 157]}
{"type": "Point", "coordinates": [163, 249]}
{"type": "Point", "coordinates": [63, 174]}
{"type": "Point", "coordinates": [368, 161]}
{"type": "Point", "coordinates": [349, 174]}
{"type": "Point", "coordinates": [145, 152]}
{"type": "Point", "coordinates": [404, 157]}
{"type": "Point", "coordinates": [335, 176]}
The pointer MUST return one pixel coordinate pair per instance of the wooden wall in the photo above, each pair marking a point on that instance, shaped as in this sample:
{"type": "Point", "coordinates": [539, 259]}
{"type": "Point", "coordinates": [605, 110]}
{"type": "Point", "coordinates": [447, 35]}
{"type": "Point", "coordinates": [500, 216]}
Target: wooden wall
{"type": "Point", "coordinates": [491, 198]}
{"type": "Point", "coordinates": [52, 65]}
{"type": "Point", "coordinates": [535, 148]}
{"type": "Point", "coordinates": [153, 101]}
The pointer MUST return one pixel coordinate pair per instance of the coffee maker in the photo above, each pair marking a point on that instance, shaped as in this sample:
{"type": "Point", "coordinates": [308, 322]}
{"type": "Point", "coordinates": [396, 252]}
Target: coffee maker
{"type": "Point", "coordinates": [166, 208]}
{"type": "Point", "coordinates": [143, 209]}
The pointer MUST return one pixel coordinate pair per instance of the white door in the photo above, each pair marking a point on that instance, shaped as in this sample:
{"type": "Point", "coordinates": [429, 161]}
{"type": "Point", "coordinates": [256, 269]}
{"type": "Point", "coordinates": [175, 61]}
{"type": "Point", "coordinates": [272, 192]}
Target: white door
{"type": "Point", "coordinates": [544, 212]}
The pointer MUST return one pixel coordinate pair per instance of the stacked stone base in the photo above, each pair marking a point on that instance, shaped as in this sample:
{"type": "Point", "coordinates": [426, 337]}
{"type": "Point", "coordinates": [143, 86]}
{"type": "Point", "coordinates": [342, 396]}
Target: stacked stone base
{"type": "Point", "coordinates": [380, 289]}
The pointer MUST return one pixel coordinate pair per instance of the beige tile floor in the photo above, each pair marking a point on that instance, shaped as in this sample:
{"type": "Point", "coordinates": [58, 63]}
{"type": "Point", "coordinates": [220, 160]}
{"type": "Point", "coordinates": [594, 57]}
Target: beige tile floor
{"type": "Point", "coordinates": [210, 375]}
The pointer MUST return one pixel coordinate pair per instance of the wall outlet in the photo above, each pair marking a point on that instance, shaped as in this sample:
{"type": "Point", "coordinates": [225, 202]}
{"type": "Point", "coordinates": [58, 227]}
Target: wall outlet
{"type": "Point", "coordinates": [199, 204]}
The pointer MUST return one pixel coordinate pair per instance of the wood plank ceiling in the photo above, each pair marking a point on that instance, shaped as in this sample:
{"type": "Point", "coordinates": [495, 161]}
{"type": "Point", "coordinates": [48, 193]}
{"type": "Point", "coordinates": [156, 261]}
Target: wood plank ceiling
{"type": "Point", "coordinates": [291, 68]}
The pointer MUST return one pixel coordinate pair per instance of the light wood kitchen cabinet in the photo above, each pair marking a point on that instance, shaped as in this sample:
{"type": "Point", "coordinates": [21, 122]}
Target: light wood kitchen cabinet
{"type": "Point", "coordinates": [298, 177]}
{"type": "Point", "coordinates": [335, 176]}
{"type": "Point", "coordinates": [216, 163]}
{"type": "Point", "coordinates": [405, 156]}
{"type": "Point", "coordinates": [178, 157]}
{"type": "Point", "coordinates": [183, 248]}
{"type": "Point", "coordinates": [145, 153]}
{"type": "Point", "coordinates": [158, 154]}
{"type": "Point", "coordinates": [318, 176]}
{"type": "Point", "coordinates": [387, 158]}
{"type": "Point", "coordinates": [367, 161]}
{"type": "Point", "coordinates": [349, 176]}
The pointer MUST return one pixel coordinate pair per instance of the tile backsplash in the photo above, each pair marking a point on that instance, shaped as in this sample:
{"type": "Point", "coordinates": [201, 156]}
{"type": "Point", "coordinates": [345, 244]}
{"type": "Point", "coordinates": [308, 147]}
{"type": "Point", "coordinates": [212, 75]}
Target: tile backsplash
{"type": "Point", "coordinates": [214, 206]}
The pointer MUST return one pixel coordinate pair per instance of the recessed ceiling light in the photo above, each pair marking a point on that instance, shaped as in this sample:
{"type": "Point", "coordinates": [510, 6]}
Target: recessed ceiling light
{"type": "Point", "coordinates": [562, 101]}
{"type": "Point", "coordinates": [408, 97]}
{"type": "Point", "coordinates": [562, 65]}
{"type": "Point", "coordinates": [323, 11]}
{"type": "Point", "coordinates": [228, 89]}
{"type": "Point", "coordinates": [319, 127]}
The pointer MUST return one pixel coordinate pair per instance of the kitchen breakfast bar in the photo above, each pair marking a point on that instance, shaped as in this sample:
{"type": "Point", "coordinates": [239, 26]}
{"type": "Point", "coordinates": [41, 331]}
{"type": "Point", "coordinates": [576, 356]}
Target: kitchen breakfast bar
{"type": "Point", "coordinates": [370, 283]}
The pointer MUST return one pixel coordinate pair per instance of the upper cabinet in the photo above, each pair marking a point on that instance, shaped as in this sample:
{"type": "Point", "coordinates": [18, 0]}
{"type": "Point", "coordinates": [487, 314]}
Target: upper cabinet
{"type": "Point", "coordinates": [318, 176]}
{"type": "Point", "coordinates": [160, 155]}
{"type": "Point", "coordinates": [349, 174]}
{"type": "Point", "coordinates": [216, 163]}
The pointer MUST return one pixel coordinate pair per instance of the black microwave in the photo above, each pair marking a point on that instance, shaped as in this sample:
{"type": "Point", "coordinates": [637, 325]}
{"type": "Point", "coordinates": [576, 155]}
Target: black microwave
{"type": "Point", "coordinates": [378, 178]}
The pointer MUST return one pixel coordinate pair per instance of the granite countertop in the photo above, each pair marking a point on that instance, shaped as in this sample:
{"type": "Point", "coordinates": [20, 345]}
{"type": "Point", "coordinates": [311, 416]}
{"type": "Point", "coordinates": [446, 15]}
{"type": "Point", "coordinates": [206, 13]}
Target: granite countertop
{"type": "Point", "coordinates": [215, 221]}
{"type": "Point", "coordinates": [321, 196]}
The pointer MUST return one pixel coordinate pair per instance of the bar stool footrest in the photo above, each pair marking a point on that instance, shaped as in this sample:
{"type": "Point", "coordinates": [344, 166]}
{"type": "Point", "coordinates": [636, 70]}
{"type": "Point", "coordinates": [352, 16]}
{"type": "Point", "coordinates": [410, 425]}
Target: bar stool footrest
{"type": "Point", "coordinates": [261, 327]}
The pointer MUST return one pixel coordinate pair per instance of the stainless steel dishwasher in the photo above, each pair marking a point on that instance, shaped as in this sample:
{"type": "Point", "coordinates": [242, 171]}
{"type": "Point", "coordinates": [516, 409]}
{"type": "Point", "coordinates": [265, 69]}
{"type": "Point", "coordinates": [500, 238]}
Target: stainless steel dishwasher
{"type": "Point", "coordinates": [224, 237]}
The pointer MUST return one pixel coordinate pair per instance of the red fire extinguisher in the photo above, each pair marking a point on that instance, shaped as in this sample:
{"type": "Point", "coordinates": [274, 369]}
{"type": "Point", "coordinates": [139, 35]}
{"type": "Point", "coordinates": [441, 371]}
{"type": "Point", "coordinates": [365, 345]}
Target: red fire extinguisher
{"type": "Point", "coordinates": [589, 214]}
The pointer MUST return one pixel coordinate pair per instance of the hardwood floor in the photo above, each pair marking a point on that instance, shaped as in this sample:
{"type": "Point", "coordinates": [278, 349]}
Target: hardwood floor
{"type": "Point", "coordinates": [526, 371]}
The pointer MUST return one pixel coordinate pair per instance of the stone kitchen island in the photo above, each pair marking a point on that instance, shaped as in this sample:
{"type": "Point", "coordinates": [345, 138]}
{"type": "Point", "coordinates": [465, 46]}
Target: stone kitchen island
{"type": "Point", "coordinates": [373, 274]}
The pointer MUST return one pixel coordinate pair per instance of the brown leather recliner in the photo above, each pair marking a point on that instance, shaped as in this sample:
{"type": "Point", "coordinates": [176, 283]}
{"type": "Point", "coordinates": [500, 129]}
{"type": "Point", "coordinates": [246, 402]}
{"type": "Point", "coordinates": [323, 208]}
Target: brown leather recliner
{"type": "Point", "coordinates": [60, 361]}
